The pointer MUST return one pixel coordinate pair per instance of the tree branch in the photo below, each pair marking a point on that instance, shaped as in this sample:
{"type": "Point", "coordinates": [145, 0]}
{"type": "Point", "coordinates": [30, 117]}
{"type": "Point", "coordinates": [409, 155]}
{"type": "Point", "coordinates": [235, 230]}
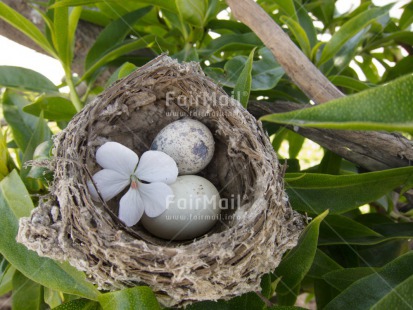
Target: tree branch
{"type": "Point", "coordinates": [368, 149]}
{"type": "Point", "coordinates": [297, 66]}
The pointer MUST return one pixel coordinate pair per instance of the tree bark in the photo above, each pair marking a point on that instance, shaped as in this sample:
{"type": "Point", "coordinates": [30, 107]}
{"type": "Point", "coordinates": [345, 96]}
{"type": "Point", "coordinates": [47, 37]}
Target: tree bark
{"type": "Point", "coordinates": [370, 150]}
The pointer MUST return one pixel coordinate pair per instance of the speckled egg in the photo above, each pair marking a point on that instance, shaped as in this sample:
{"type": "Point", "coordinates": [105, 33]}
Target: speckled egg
{"type": "Point", "coordinates": [190, 213]}
{"type": "Point", "coordinates": [189, 142]}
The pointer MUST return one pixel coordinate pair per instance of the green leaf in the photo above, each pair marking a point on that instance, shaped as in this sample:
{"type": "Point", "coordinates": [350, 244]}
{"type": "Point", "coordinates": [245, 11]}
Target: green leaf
{"type": "Point", "coordinates": [119, 50]}
{"type": "Point", "coordinates": [113, 35]}
{"type": "Point", "coordinates": [323, 292]}
{"type": "Point", "coordinates": [4, 156]}
{"type": "Point", "coordinates": [6, 280]}
{"type": "Point", "coordinates": [403, 67]}
{"type": "Point", "coordinates": [121, 72]}
{"type": "Point", "coordinates": [315, 193]}
{"type": "Point", "coordinates": [250, 301]}
{"type": "Point", "coordinates": [343, 278]}
{"type": "Point", "coordinates": [285, 308]}
{"type": "Point", "coordinates": [53, 108]}
{"type": "Point", "coordinates": [61, 35]}
{"type": "Point", "coordinates": [74, 16]}
{"type": "Point", "coordinates": [15, 202]}
{"type": "Point", "coordinates": [169, 5]}
{"type": "Point", "coordinates": [338, 229]}
{"type": "Point", "coordinates": [192, 11]}
{"type": "Point", "coordinates": [26, 293]}
{"type": "Point", "coordinates": [79, 304]}
{"type": "Point", "coordinates": [266, 72]}
{"type": "Point", "coordinates": [393, 282]}
{"type": "Point", "coordinates": [350, 29]}
{"type": "Point", "coordinates": [232, 42]}
{"type": "Point", "coordinates": [19, 22]}
{"type": "Point", "coordinates": [242, 87]}
{"type": "Point", "coordinates": [386, 107]}
{"type": "Point", "coordinates": [299, 34]}
{"type": "Point", "coordinates": [40, 134]}
{"type": "Point", "coordinates": [52, 298]}
{"type": "Point", "coordinates": [138, 297]}
{"type": "Point", "coordinates": [407, 16]}
{"type": "Point", "coordinates": [22, 125]}
{"type": "Point", "coordinates": [25, 79]}
{"type": "Point", "coordinates": [298, 261]}
{"type": "Point", "coordinates": [322, 264]}
{"type": "Point", "coordinates": [348, 82]}
{"type": "Point", "coordinates": [342, 230]}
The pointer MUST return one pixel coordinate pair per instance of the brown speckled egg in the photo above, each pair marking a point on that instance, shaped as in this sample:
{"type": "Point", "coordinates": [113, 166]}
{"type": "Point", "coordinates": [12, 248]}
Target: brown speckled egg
{"type": "Point", "coordinates": [189, 142]}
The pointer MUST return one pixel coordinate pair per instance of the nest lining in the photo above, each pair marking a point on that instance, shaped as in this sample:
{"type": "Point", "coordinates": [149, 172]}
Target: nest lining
{"type": "Point", "coordinates": [248, 242]}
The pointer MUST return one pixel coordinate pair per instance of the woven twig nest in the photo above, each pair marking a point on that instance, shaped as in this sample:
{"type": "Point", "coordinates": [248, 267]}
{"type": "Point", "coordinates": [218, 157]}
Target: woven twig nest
{"type": "Point", "coordinates": [246, 243]}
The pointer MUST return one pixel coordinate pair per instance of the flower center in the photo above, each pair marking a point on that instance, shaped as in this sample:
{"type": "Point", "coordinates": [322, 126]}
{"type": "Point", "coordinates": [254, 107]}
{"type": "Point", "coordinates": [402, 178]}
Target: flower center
{"type": "Point", "coordinates": [134, 182]}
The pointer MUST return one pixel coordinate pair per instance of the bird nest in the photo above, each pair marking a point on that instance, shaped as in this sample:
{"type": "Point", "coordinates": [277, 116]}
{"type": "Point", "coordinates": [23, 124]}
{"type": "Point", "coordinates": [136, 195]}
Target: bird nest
{"type": "Point", "coordinates": [256, 228]}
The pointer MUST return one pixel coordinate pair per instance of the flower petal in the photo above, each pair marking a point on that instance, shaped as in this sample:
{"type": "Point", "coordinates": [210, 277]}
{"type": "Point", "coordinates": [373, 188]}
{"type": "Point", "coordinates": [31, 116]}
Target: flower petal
{"type": "Point", "coordinates": [131, 207]}
{"type": "Point", "coordinates": [156, 197]}
{"type": "Point", "coordinates": [115, 156]}
{"type": "Point", "coordinates": [109, 183]}
{"type": "Point", "coordinates": [156, 166]}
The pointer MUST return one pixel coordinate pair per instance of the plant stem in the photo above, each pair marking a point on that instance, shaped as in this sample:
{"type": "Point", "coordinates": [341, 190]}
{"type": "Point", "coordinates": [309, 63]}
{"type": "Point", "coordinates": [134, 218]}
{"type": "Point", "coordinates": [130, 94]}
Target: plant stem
{"type": "Point", "coordinates": [73, 93]}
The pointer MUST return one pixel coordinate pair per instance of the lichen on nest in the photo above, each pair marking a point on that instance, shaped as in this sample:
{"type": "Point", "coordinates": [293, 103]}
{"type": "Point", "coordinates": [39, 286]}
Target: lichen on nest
{"type": "Point", "coordinates": [247, 242]}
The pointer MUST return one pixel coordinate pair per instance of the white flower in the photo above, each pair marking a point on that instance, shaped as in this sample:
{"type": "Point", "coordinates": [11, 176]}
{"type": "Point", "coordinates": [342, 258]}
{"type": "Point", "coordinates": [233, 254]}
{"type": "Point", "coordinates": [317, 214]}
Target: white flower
{"type": "Point", "coordinates": [147, 177]}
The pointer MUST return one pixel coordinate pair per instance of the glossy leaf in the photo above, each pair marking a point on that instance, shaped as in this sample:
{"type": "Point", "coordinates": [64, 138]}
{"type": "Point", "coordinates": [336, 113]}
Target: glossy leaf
{"type": "Point", "coordinates": [169, 5]}
{"type": "Point", "coordinates": [26, 293]}
{"type": "Point", "coordinates": [249, 301]}
{"type": "Point", "coordinates": [242, 87]}
{"type": "Point", "coordinates": [340, 229]}
{"type": "Point", "coordinates": [192, 11]}
{"type": "Point", "coordinates": [119, 50]}
{"type": "Point", "coordinates": [298, 261]}
{"type": "Point", "coordinates": [22, 124]}
{"type": "Point", "coordinates": [4, 156]}
{"type": "Point", "coordinates": [52, 298]}
{"type": "Point", "coordinates": [266, 72]}
{"type": "Point", "coordinates": [315, 193]}
{"type": "Point", "coordinates": [386, 107]}
{"type": "Point", "coordinates": [6, 280]}
{"type": "Point", "coordinates": [343, 278]}
{"type": "Point", "coordinates": [138, 297]}
{"type": "Point", "coordinates": [121, 72]}
{"type": "Point", "coordinates": [322, 265]}
{"type": "Point", "coordinates": [79, 304]}
{"type": "Point", "coordinates": [40, 134]}
{"type": "Point", "coordinates": [299, 34]}
{"type": "Point", "coordinates": [391, 282]}
{"type": "Point", "coordinates": [403, 67]}
{"type": "Point", "coordinates": [15, 202]}
{"type": "Point", "coordinates": [25, 26]}
{"type": "Point", "coordinates": [60, 34]}
{"type": "Point", "coordinates": [348, 82]}
{"type": "Point", "coordinates": [407, 16]}
{"type": "Point", "coordinates": [25, 79]}
{"type": "Point", "coordinates": [53, 108]}
{"type": "Point", "coordinates": [350, 29]}
{"type": "Point", "coordinates": [231, 42]}
{"type": "Point", "coordinates": [113, 35]}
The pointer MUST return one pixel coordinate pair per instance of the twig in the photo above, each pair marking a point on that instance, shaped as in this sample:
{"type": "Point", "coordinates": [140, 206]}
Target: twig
{"type": "Point", "coordinates": [296, 65]}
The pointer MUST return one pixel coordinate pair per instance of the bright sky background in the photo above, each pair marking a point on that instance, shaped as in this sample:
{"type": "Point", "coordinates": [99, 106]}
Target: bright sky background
{"type": "Point", "coordinates": [13, 54]}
